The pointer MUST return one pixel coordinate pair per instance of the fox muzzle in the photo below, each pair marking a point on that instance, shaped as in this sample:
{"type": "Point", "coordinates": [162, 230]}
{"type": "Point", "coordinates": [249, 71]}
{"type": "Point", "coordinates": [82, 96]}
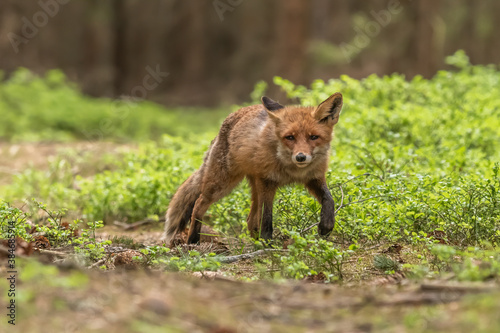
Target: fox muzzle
{"type": "Point", "coordinates": [301, 160]}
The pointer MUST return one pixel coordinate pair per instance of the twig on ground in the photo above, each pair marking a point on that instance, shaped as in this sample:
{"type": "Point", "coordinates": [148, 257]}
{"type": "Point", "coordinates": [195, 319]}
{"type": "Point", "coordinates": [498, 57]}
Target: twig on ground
{"type": "Point", "coordinates": [233, 259]}
{"type": "Point", "coordinates": [56, 253]}
{"type": "Point", "coordinates": [341, 200]}
{"type": "Point", "coordinates": [115, 249]}
{"type": "Point", "coordinates": [36, 234]}
{"type": "Point", "coordinates": [309, 228]}
{"type": "Point", "coordinates": [372, 247]}
{"type": "Point", "coordinates": [96, 264]}
{"type": "Point", "coordinates": [130, 226]}
{"type": "Point", "coordinates": [359, 201]}
{"type": "Point", "coordinates": [367, 174]}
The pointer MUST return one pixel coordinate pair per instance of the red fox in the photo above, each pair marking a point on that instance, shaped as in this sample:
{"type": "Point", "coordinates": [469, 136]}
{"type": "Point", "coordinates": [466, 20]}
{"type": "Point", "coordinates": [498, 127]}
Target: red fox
{"type": "Point", "coordinates": [272, 146]}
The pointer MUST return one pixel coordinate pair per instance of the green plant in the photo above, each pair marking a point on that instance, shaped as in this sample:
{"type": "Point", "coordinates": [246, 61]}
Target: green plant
{"type": "Point", "coordinates": [13, 222]}
{"type": "Point", "coordinates": [151, 255]}
{"type": "Point", "coordinates": [192, 261]}
{"type": "Point", "coordinates": [469, 264]}
{"type": "Point", "coordinates": [311, 255]}
{"type": "Point", "coordinates": [89, 246]}
{"type": "Point", "coordinates": [386, 264]}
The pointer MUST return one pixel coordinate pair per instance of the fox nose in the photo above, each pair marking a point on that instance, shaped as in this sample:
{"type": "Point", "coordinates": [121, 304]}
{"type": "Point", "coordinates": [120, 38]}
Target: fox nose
{"type": "Point", "coordinates": [300, 157]}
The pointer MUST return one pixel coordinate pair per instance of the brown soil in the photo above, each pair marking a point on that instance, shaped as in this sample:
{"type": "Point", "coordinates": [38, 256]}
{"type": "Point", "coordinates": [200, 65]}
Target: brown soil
{"type": "Point", "coordinates": [14, 158]}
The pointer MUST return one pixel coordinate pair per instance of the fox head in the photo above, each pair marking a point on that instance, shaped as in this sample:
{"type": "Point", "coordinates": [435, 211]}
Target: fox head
{"type": "Point", "coordinates": [304, 133]}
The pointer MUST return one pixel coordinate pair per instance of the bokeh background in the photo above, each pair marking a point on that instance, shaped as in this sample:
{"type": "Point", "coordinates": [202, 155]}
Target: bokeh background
{"type": "Point", "coordinates": [216, 50]}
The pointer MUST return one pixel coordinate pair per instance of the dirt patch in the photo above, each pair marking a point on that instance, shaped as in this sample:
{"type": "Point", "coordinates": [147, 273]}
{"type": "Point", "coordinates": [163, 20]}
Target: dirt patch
{"type": "Point", "coordinates": [15, 158]}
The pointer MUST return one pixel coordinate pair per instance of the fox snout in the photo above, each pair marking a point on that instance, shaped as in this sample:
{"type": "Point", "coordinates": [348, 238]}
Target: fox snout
{"type": "Point", "coordinates": [300, 157]}
{"type": "Point", "coordinates": [301, 160]}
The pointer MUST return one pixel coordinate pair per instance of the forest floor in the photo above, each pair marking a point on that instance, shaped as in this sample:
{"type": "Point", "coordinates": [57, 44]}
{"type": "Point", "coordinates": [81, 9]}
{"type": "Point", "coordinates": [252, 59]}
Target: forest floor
{"type": "Point", "coordinates": [73, 299]}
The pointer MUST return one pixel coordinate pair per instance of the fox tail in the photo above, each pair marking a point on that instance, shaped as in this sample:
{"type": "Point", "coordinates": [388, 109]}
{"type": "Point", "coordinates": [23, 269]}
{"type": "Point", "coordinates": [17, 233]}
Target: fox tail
{"type": "Point", "coordinates": [181, 206]}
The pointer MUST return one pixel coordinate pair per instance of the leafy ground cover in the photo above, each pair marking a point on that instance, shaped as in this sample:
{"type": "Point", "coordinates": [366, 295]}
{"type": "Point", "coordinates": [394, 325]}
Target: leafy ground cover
{"type": "Point", "coordinates": [50, 108]}
{"type": "Point", "coordinates": [414, 171]}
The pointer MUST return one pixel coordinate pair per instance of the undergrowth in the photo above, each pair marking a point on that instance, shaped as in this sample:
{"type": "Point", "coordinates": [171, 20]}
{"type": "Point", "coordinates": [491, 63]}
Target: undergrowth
{"type": "Point", "coordinates": [414, 162]}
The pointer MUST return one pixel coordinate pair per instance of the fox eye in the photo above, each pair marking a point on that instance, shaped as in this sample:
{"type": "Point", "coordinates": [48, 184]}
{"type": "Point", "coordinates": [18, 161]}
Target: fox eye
{"type": "Point", "coordinates": [314, 137]}
{"type": "Point", "coordinates": [290, 137]}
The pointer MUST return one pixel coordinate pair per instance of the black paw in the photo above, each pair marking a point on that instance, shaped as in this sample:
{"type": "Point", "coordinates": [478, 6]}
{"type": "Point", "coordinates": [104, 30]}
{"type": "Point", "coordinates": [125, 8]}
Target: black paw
{"type": "Point", "coordinates": [194, 239]}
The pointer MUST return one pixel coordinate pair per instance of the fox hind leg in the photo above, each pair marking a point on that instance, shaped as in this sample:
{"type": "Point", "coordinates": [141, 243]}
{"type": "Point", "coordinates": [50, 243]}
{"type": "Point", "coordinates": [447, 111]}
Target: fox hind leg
{"type": "Point", "coordinates": [260, 219]}
{"type": "Point", "coordinates": [210, 193]}
{"type": "Point", "coordinates": [200, 207]}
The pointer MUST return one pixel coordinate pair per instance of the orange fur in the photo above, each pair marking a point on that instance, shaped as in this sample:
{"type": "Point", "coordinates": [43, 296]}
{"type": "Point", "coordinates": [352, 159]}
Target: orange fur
{"type": "Point", "coordinates": [272, 146]}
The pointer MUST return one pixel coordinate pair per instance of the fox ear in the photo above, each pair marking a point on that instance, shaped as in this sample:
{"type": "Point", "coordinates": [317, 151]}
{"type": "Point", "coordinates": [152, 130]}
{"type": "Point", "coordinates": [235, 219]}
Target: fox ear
{"type": "Point", "coordinates": [271, 105]}
{"type": "Point", "coordinates": [329, 110]}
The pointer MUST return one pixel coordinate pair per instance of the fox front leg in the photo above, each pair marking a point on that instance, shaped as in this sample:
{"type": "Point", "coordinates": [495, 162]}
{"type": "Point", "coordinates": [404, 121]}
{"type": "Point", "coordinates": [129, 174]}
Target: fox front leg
{"type": "Point", "coordinates": [320, 190]}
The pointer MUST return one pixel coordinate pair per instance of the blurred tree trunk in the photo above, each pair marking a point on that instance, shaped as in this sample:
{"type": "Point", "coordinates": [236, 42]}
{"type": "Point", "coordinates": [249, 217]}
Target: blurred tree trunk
{"type": "Point", "coordinates": [321, 18]}
{"type": "Point", "coordinates": [469, 29]}
{"type": "Point", "coordinates": [492, 44]}
{"type": "Point", "coordinates": [119, 47]}
{"type": "Point", "coordinates": [197, 35]}
{"type": "Point", "coordinates": [291, 39]}
{"type": "Point", "coordinates": [425, 41]}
